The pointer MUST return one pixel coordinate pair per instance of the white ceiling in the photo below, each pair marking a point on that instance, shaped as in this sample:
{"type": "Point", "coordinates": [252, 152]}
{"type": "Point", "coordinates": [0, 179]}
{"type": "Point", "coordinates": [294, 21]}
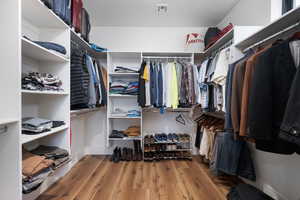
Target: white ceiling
{"type": "Point", "coordinates": [182, 13]}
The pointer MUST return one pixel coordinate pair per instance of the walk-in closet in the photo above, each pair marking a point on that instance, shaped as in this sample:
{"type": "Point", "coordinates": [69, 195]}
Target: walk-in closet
{"type": "Point", "coordinates": [150, 100]}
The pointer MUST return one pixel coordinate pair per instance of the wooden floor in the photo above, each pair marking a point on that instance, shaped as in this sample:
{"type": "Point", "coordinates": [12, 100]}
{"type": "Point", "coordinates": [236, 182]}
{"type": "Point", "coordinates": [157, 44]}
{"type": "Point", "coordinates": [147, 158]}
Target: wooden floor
{"type": "Point", "coordinates": [96, 178]}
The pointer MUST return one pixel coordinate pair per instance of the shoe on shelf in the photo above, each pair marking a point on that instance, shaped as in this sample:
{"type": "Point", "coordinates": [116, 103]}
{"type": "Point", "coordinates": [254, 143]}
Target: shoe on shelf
{"type": "Point", "coordinates": [152, 140]}
{"type": "Point", "coordinates": [124, 154]}
{"type": "Point", "coordinates": [112, 158]}
{"type": "Point", "coordinates": [175, 137]}
{"type": "Point", "coordinates": [157, 138]}
{"type": "Point", "coordinates": [164, 137]}
{"type": "Point", "coordinates": [147, 139]}
{"type": "Point", "coordinates": [116, 155]}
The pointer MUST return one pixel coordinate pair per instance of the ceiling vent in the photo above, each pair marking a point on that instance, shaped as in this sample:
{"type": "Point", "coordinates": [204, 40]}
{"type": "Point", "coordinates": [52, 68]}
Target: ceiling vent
{"type": "Point", "coordinates": [162, 8]}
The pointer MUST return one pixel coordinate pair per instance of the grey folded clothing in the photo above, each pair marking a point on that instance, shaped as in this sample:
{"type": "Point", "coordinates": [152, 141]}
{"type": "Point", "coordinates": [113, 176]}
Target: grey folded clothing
{"type": "Point", "coordinates": [50, 152]}
{"type": "Point", "coordinates": [60, 162]}
{"type": "Point", "coordinates": [36, 125]}
{"type": "Point", "coordinates": [30, 184]}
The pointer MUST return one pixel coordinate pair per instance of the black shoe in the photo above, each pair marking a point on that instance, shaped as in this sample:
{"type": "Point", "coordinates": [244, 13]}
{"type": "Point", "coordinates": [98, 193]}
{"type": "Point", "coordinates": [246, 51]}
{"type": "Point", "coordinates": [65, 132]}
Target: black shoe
{"type": "Point", "coordinates": [112, 158]}
{"type": "Point", "coordinates": [116, 156]}
{"type": "Point", "coordinates": [123, 154]}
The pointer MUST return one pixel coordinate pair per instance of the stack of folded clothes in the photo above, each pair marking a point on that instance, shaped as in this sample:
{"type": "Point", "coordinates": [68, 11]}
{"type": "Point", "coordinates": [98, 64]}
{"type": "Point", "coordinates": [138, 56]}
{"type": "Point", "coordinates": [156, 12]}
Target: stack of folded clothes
{"type": "Point", "coordinates": [132, 131]}
{"type": "Point", "coordinates": [98, 48]}
{"type": "Point", "coordinates": [32, 126]}
{"type": "Point", "coordinates": [41, 82]}
{"type": "Point", "coordinates": [125, 88]}
{"type": "Point", "coordinates": [50, 46]}
{"type": "Point", "coordinates": [38, 164]}
{"type": "Point", "coordinates": [58, 155]}
{"type": "Point", "coordinates": [35, 170]}
{"type": "Point", "coordinates": [133, 113]}
{"type": "Point", "coordinates": [120, 69]}
{"type": "Point", "coordinates": [118, 87]}
{"type": "Point", "coordinates": [132, 89]}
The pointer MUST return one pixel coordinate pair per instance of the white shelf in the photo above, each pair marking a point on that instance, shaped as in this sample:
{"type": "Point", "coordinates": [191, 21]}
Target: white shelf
{"type": "Point", "coordinates": [40, 16]}
{"type": "Point", "coordinates": [123, 117]}
{"type": "Point", "coordinates": [121, 95]}
{"type": "Point", "coordinates": [290, 18]}
{"type": "Point", "coordinates": [75, 113]}
{"type": "Point", "coordinates": [125, 139]}
{"type": "Point", "coordinates": [34, 51]}
{"type": "Point", "coordinates": [8, 121]}
{"type": "Point", "coordinates": [44, 92]}
{"type": "Point", "coordinates": [167, 109]}
{"type": "Point", "coordinates": [222, 41]}
{"type": "Point", "coordinates": [124, 74]}
{"type": "Point", "coordinates": [30, 138]}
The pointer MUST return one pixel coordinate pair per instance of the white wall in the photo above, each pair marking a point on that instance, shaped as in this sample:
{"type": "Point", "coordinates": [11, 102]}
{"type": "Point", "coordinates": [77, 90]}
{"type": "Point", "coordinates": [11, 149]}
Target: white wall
{"type": "Point", "coordinates": [248, 13]}
{"type": "Point", "coordinates": [276, 9]}
{"type": "Point", "coordinates": [147, 39]}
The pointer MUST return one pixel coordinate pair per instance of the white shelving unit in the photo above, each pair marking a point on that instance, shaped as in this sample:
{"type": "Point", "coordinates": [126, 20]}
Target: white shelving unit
{"type": "Point", "coordinates": [124, 102]}
{"type": "Point", "coordinates": [41, 24]}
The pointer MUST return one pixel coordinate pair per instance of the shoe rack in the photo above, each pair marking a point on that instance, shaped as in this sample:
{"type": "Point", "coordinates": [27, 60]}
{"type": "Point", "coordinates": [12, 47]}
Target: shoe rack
{"type": "Point", "coordinates": [170, 146]}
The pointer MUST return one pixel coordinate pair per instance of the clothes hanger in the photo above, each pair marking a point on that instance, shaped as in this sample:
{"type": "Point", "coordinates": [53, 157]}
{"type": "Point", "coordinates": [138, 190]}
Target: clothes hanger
{"type": "Point", "coordinates": [180, 119]}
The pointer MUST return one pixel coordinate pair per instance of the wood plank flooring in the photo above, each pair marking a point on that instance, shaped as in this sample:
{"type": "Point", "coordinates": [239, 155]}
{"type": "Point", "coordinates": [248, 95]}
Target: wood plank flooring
{"type": "Point", "coordinates": [96, 178]}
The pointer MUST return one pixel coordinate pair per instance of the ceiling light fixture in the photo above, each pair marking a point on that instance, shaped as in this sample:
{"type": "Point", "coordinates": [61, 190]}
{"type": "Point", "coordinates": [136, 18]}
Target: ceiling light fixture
{"type": "Point", "coordinates": [162, 8]}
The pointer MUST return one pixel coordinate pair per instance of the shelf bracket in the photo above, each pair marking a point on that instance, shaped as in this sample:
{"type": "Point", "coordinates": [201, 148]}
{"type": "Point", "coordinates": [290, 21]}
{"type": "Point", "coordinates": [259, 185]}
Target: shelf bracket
{"type": "Point", "coordinates": [3, 129]}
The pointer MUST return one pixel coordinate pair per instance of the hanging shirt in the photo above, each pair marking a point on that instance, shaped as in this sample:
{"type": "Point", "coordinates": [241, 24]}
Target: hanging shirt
{"type": "Point", "coordinates": [142, 92]}
{"type": "Point", "coordinates": [179, 77]}
{"type": "Point", "coordinates": [169, 85]}
{"type": "Point", "coordinates": [152, 84]}
{"type": "Point", "coordinates": [196, 85]}
{"type": "Point", "coordinates": [146, 77]}
{"type": "Point", "coordinates": [295, 50]}
{"type": "Point", "coordinates": [164, 72]}
{"type": "Point", "coordinates": [202, 72]}
{"type": "Point", "coordinates": [212, 67]}
{"type": "Point", "coordinates": [174, 87]}
{"type": "Point", "coordinates": [160, 85]}
{"type": "Point", "coordinates": [220, 73]}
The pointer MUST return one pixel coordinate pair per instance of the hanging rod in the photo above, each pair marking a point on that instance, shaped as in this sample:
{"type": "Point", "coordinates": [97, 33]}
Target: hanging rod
{"type": "Point", "coordinates": [165, 57]}
{"type": "Point", "coordinates": [273, 36]}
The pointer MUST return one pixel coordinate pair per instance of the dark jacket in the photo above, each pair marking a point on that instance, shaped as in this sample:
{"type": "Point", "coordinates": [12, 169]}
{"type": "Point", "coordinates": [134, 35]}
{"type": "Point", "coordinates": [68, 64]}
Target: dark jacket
{"type": "Point", "coordinates": [142, 89]}
{"type": "Point", "coordinates": [290, 127]}
{"type": "Point", "coordinates": [270, 89]}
